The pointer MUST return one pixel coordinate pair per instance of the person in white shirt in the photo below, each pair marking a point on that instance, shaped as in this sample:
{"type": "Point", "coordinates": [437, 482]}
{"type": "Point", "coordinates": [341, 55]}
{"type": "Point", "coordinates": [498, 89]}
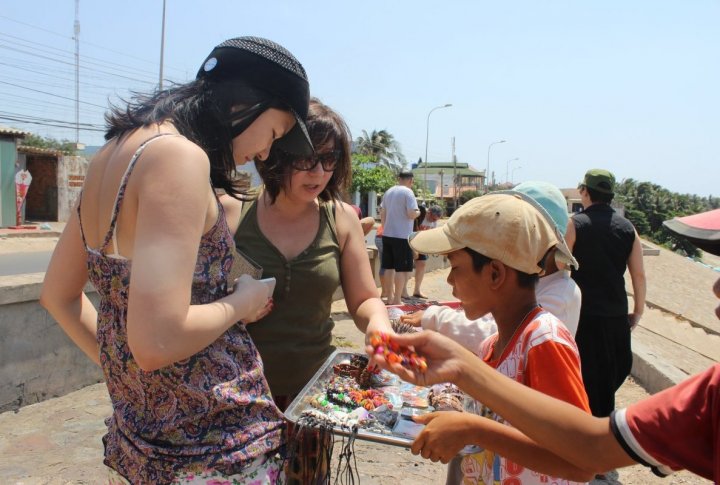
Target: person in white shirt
{"type": "Point", "coordinates": [398, 210]}
{"type": "Point", "coordinates": [556, 291]}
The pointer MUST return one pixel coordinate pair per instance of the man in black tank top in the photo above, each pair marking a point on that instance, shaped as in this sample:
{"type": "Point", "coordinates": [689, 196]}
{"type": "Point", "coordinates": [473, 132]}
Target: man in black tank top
{"type": "Point", "coordinates": [604, 244]}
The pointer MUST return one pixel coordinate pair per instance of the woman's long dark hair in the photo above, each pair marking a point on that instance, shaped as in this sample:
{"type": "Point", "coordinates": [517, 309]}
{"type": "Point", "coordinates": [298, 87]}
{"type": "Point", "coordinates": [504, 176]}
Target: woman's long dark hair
{"type": "Point", "coordinates": [324, 126]}
{"type": "Point", "coordinates": [201, 111]}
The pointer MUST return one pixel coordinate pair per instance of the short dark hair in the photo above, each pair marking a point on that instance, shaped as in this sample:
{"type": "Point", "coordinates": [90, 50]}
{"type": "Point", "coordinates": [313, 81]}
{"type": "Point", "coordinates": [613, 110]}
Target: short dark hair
{"type": "Point", "coordinates": [525, 280]}
{"type": "Point", "coordinates": [598, 197]}
{"type": "Point", "coordinates": [325, 126]}
{"type": "Point", "coordinates": [478, 260]}
{"type": "Point", "coordinates": [406, 175]}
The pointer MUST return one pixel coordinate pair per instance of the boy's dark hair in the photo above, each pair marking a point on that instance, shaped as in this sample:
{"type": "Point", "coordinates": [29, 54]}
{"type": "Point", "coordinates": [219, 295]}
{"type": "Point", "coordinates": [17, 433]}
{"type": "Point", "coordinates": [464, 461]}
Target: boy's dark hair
{"type": "Point", "coordinates": [525, 280]}
{"type": "Point", "coordinates": [325, 126]}
{"type": "Point", "coordinates": [202, 112]}
{"type": "Point", "coordinates": [598, 197]}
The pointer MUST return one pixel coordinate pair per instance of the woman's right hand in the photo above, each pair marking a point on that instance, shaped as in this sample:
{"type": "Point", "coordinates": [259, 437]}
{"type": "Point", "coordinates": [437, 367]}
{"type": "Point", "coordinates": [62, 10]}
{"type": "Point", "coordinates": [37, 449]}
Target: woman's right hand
{"type": "Point", "coordinates": [251, 299]}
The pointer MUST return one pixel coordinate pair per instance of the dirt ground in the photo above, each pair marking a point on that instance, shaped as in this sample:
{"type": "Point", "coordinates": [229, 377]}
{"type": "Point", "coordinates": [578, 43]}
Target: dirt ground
{"type": "Point", "coordinates": [57, 442]}
{"type": "Point", "coordinates": [82, 464]}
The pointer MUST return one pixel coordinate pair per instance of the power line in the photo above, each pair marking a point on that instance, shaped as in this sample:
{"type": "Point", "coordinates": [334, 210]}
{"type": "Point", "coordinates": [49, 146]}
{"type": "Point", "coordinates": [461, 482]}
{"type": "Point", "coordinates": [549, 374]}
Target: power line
{"type": "Point", "coordinates": [55, 76]}
{"type": "Point", "coordinates": [71, 64]}
{"type": "Point", "coordinates": [86, 42]}
{"type": "Point", "coordinates": [36, 105]}
{"type": "Point", "coordinates": [50, 94]}
{"type": "Point", "coordinates": [54, 125]}
{"type": "Point", "coordinates": [47, 49]}
{"type": "Point", "coordinates": [47, 65]}
{"type": "Point", "coordinates": [21, 117]}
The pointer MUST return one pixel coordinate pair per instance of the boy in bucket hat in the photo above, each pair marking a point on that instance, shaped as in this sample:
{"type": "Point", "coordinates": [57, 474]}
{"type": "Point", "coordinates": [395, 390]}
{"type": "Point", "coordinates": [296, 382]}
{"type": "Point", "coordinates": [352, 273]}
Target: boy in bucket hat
{"type": "Point", "coordinates": [556, 291]}
{"type": "Point", "coordinates": [671, 430]}
{"type": "Point", "coordinates": [497, 245]}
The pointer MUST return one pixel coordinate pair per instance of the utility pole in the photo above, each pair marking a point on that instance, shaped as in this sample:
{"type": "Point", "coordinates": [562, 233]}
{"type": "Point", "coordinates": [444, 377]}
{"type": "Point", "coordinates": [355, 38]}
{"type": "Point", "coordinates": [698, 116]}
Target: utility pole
{"type": "Point", "coordinates": [455, 184]}
{"type": "Point", "coordinates": [76, 31]}
{"type": "Point", "coordinates": [162, 45]}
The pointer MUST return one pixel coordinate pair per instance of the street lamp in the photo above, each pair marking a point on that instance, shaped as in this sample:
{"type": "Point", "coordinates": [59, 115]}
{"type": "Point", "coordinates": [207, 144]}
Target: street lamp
{"type": "Point", "coordinates": [487, 172]}
{"type": "Point", "coordinates": [507, 168]}
{"type": "Point", "coordinates": [427, 137]}
{"type": "Point", "coordinates": [512, 179]}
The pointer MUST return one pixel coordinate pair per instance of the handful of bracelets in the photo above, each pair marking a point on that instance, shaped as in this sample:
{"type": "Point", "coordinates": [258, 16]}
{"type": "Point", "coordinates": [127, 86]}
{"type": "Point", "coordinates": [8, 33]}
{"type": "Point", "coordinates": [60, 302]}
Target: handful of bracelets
{"type": "Point", "coordinates": [383, 345]}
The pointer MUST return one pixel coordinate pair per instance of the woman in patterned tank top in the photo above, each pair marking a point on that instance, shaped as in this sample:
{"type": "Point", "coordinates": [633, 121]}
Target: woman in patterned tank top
{"type": "Point", "coordinates": [190, 402]}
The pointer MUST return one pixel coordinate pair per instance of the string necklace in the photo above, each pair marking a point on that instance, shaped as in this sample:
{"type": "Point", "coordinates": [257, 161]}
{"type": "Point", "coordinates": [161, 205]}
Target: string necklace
{"type": "Point", "coordinates": [515, 332]}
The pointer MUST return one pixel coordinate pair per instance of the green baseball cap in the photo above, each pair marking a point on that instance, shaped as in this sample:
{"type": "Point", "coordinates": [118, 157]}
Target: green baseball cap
{"type": "Point", "coordinates": [599, 180]}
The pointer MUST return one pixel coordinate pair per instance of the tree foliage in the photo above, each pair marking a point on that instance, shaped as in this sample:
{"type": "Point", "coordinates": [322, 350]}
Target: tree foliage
{"type": "Point", "coordinates": [48, 143]}
{"type": "Point", "coordinates": [381, 148]}
{"type": "Point", "coordinates": [369, 176]}
{"type": "Point", "coordinates": [467, 195]}
{"type": "Point", "coordinates": [647, 205]}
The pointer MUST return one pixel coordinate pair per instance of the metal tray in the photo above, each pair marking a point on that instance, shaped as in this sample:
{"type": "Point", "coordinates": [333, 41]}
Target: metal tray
{"type": "Point", "coordinates": [317, 385]}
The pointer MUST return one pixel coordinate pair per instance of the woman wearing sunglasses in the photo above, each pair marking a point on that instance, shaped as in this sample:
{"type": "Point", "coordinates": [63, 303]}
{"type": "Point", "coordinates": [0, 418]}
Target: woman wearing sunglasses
{"type": "Point", "coordinates": [300, 232]}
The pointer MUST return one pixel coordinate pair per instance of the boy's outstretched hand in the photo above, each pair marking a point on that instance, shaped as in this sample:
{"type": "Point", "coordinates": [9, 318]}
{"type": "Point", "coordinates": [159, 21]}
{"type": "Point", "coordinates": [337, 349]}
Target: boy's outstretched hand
{"type": "Point", "coordinates": [445, 358]}
{"type": "Point", "coordinates": [414, 318]}
{"type": "Point", "coordinates": [444, 435]}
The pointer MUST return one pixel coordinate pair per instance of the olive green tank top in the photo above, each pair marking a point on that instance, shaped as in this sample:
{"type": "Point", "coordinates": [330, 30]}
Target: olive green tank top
{"type": "Point", "coordinates": [295, 338]}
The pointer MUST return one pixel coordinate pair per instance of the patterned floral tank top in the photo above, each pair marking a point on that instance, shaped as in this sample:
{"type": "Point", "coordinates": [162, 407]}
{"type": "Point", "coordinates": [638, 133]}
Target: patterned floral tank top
{"type": "Point", "coordinates": [209, 412]}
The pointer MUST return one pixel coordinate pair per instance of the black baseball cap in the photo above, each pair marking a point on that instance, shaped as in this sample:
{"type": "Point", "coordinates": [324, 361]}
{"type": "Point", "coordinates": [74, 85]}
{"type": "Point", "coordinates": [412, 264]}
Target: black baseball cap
{"type": "Point", "coordinates": [268, 67]}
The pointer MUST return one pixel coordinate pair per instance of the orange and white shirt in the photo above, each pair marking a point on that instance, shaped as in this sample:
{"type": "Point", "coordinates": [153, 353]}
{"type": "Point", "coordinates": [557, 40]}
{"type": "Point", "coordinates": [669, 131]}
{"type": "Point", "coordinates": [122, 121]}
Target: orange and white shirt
{"type": "Point", "coordinates": [542, 355]}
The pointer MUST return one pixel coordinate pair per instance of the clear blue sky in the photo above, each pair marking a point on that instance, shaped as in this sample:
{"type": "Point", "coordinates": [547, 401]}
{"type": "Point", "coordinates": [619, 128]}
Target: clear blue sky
{"type": "Point", "coordinates": [631, 86]}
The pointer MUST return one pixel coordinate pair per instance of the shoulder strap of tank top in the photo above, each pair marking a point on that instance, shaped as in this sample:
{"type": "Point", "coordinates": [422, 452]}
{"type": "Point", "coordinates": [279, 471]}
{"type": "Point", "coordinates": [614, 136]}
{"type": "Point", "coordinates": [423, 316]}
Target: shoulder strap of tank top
{"type": "Point", "coordinates": [330, 208]}
{"type": "Point", "coordinates": [112, 233]}
{"type": "Point", "coordinates": [82, 231]}
{"type": "Point", "coordinates": [248, 205]}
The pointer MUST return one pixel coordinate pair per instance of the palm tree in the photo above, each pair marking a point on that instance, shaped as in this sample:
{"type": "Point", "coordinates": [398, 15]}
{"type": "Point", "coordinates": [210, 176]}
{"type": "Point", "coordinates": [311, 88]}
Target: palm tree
{"type": "Point", "coordinates": [382, 148]}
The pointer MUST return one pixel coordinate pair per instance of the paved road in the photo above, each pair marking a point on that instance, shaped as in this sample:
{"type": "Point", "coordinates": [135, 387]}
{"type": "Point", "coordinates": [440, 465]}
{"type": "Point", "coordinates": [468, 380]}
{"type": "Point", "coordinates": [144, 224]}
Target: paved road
{"type": "Point", "coordinates": [22, 263]}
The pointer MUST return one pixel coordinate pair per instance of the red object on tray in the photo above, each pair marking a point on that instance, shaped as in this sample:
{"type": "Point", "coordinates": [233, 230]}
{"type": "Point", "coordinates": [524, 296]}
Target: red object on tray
{"type": "Point", "coordinates": [413, 307]}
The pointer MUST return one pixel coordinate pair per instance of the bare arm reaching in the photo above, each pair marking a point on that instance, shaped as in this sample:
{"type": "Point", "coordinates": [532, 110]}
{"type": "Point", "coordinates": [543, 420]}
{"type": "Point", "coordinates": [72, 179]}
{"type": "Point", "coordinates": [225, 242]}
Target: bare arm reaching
{"type": "Point", "coordinates": [639, 283]}
{"type": "Point", "coordinates": [556, 426]}
{"type": "Point", "coordinates": [356, 276]}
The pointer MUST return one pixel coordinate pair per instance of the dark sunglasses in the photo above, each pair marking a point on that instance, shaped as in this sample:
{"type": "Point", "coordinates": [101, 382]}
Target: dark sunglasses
{"type": "Point", "coordinates": [328, 160]}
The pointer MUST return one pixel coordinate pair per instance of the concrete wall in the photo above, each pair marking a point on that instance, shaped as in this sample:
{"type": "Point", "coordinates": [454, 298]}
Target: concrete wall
{"type": "Point", "coordinates": [70, 177]}
{"type": "Point", "coordinates": [37, 360]}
